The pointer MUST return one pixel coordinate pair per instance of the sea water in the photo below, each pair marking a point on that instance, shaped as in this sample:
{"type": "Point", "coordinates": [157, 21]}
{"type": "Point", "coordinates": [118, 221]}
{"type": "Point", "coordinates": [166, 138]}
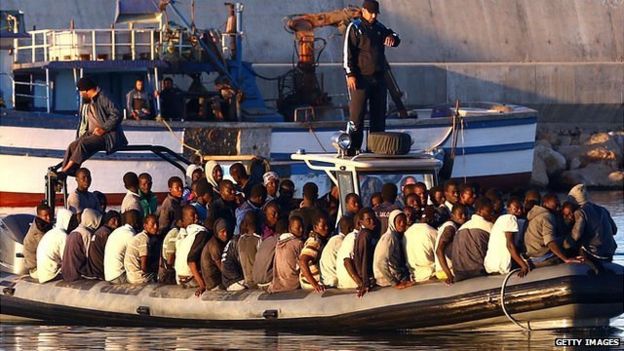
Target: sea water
{"type": "Point", "coordinates": [23, 336]}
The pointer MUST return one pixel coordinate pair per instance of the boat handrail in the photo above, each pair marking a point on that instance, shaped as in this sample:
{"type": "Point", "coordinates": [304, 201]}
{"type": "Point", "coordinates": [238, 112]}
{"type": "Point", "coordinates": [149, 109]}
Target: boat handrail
{"type": "Point", "coordinates": [92, 44]}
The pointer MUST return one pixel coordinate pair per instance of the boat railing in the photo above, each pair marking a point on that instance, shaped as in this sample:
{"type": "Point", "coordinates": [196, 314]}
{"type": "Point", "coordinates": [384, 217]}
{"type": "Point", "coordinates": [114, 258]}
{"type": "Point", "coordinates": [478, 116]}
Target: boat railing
{"type": "Point", "coordinates": [95, 45]}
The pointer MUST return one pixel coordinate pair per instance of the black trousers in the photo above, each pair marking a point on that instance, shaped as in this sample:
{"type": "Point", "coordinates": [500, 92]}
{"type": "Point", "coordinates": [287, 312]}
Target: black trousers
{"type": "Point", "coordinates": [371, 89]}
{"type": "Point", "coordinates": [83, 148]}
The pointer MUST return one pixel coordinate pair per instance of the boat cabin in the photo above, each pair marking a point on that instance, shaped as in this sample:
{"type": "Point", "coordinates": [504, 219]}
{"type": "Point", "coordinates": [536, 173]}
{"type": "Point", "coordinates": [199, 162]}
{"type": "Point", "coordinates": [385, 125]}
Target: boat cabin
{"type": "Point", "coordinates": [365, 173]}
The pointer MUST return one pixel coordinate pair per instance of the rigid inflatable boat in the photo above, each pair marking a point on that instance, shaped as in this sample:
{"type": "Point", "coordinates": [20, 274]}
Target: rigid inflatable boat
{"type": "Point", "coordinates": [551, 297]}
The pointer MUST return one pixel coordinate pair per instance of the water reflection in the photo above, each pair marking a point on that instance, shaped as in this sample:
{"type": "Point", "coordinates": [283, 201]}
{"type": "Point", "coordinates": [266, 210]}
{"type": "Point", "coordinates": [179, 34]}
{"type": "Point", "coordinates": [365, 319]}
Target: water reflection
{"type": "Point", "coordinates": [44, 338]}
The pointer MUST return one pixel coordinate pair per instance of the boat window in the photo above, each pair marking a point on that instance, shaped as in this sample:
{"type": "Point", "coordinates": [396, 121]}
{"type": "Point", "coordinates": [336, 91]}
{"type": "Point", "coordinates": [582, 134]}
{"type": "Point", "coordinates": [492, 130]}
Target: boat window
{"type": "Point", "coordinates": [372, 182]}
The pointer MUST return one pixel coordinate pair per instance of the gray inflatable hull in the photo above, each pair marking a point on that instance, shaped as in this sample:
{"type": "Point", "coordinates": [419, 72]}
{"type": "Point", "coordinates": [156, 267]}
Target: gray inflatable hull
{"type": "Point", "coordinates": [552, 297]}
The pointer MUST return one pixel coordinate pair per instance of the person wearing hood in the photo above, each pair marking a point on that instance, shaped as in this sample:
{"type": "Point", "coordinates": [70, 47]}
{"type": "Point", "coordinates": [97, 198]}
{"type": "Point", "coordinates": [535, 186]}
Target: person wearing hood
{"type": "Point", "coordinates": [193, 174]}
{"type": "Point", "coordinates": [271, 182]}
{"type": "Point", "coordinates": [594, 229]}
{"type": "Point", "coordinates": [52, 247]}
{"type": "Point", "coordinates": [40, 225]}
{"type": "Point", "coordinates": [188, 252]}
{"type": "Point", "coordinates": [543, 246]}
{"type": "Point", "coordinates": [287, 251]}
{"type": "Point", "coordinates": [214, 174]}
{"type": "Point", "coordinates": [110, 222]}
{"type": "Point", "coordinates": [389, 263]}
{"type": "Point", "coordinates": [419, 245]}
{"type": "Point", "coordinates": [115, 250]}
{"type": "Point", "coordinates": [75, 256]}
{"type": "Point", "coordinates": [211, 265]}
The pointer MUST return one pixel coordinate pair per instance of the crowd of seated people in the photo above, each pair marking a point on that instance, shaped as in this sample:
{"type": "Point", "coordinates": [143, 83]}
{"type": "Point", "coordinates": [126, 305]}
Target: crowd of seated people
{"type": "Point", "coordinates": [211, 233]}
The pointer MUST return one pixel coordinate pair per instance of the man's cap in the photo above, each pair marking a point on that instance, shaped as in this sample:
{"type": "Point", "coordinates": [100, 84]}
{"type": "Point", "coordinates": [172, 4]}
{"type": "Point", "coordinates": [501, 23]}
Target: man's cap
{"type": "Point", "coordinates": [86, 83]}
{"type": "Point", "coordinates": [268, 176]}
{"type": "Point", "coordinates": [371, 6]}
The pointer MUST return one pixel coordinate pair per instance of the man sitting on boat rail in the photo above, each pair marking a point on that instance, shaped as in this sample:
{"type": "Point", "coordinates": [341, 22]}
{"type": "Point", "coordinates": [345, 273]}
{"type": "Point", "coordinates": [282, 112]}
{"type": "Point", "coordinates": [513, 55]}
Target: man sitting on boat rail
{"type": "Point", "coordinates": [99, 129]}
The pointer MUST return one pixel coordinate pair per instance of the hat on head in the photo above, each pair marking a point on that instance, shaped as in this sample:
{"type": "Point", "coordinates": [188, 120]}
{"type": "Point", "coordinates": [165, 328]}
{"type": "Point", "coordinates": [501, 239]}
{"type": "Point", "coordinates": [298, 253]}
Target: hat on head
{"type": "Point", "coordinates": [86, 83]}
{"type": "Point", "coordinates": [578, 195]}
{"type": "Point", "coordinates": [371, 6]}
{"type": "Point", "coordinates": [266, 178]}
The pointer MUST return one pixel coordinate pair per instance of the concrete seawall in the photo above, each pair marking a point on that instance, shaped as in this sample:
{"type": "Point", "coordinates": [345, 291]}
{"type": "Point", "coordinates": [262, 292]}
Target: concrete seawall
{"type": "Point", "coordinates": [562, 57]}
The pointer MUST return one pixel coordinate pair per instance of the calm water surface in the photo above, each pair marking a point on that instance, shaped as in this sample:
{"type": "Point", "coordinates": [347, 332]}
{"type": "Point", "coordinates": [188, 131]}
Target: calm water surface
{"type": "Point", "coordinates": [42, 337]}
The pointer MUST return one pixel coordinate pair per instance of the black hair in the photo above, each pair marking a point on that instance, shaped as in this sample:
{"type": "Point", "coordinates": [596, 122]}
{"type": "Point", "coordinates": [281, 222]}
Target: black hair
{"type": "Point", "coordinates": [449, 183]}
{"type": "Point", "coordinates": [345, 224]}
{"type": "Point", "coordinates": [174, 180]}
{"type": "Point", "coordinates": [130, 180]}
{"type": "Point", "coordinates": [389, 192]}
{"type": "Point", "coordinates": [483, 202]}
{"type": "Point", "coordinates": [310, 191]}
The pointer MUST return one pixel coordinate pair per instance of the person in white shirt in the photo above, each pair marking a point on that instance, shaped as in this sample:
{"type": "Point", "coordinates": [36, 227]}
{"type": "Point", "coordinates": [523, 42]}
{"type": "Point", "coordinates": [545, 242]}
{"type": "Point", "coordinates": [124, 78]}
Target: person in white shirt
{"type": "Point", "coordinates": [501, 247]}
{"type": "Point", "coordinates": [132, 200]}
{"type": "Point", "coordinates": [135, 260]}
{"type": "Point", "coordinates": [116, 245]}
{"type": "Point", "coordinates": [52, 245]}
{"type": "Point", "coordinates": [419, 243]}
{"type": "Point", "coordinates": [329, 255]}
{"type": "Point", "coordinates": [346, 251]}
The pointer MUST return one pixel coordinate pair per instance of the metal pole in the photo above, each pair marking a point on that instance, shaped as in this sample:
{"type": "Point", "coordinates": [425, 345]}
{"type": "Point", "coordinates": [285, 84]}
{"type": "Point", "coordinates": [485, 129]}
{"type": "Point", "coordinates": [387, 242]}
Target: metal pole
{"type": "Point", "coordinates": [239, 41]}
{"type": "Point", "coordinates": [93, 48]}
{"type": "Point", "coordinates": [47, 75]}
{"type": "Point", "coordinates": [157, 83]}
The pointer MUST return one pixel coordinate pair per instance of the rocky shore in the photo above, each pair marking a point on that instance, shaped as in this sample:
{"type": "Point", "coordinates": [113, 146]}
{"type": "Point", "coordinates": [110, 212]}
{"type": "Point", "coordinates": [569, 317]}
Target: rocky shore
{"type": "Point", "coordinates": [565, 157]}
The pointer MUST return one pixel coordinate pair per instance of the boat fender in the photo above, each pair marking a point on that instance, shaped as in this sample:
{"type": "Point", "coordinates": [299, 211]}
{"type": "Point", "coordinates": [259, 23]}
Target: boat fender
{"type": "Point", "coordinates": [502, 302]}
{"type": "Point", "coordinates": [143, 310]}
{"type": "Point", "coordinates": [270, 314]}
{"type": "Point", "coordinates": [389, 143]}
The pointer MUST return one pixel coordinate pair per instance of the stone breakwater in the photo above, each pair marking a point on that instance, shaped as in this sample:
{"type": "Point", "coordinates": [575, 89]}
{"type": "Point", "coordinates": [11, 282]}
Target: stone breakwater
{"type": "Point", "coordinates": [565, 157]}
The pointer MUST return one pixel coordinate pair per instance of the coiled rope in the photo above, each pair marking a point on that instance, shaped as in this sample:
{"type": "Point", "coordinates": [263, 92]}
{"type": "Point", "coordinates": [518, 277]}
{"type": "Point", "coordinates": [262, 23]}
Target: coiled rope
{"type": "Point", "coordinates": [502, 302]}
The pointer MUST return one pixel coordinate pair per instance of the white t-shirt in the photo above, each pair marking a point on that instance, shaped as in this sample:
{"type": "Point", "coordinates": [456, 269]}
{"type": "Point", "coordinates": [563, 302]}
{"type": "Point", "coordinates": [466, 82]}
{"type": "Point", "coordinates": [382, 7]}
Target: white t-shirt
{"type": "Point", "coordinates": [132, 201]}
{"type": "Point", "coordinates": [346, 250]}
{"type": "Point", "coordinates": [498, 258]}
{"type": "Point", "coordinates": [50, 254]}
{"type": "Point", "coordinates": [115, 251]}
{"type": "Point", "coordinates": [328, 260]}
{"type": "Point", "coordinates": [419, 243]}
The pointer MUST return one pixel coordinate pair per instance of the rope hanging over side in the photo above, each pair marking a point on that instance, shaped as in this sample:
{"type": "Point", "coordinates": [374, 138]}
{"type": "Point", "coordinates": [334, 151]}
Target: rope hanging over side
{"type": "Point", "coordinates": [502, 302]}
{"type": "Point", "coordinates": [180, 140]}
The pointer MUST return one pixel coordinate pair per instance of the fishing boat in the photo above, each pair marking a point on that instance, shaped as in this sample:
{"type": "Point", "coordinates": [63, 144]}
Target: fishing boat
{"type": "Point", "coordinates": [490, 143]}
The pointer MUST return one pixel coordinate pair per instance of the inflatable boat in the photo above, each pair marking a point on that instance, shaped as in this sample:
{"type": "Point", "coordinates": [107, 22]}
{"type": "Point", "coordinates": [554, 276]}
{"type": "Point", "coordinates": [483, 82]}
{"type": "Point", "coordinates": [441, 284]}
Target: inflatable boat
{"type": "Point", "coordinates": [551, 297]}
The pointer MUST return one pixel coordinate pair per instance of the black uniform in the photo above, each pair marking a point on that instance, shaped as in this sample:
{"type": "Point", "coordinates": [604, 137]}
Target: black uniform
{"type": "Point", "coordinates": [365, 59]}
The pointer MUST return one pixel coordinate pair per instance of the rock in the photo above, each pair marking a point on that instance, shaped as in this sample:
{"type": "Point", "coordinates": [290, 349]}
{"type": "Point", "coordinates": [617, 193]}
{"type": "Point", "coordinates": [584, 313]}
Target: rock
{"type": "Point", "coordinates": [554, 161]}
{"type": "Point", "coordinates": [539, 176]}
{"type": "Point", "coordinates": [595, 174]}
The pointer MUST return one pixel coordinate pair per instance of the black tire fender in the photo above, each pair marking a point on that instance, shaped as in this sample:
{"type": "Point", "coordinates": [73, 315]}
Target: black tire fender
{"type": "Point", "coordinates": [389, 143]}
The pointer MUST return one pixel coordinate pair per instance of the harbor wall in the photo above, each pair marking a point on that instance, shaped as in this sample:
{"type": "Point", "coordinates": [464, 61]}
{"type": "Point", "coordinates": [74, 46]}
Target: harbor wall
{"type": "Point", "coordinates": [562, 57]}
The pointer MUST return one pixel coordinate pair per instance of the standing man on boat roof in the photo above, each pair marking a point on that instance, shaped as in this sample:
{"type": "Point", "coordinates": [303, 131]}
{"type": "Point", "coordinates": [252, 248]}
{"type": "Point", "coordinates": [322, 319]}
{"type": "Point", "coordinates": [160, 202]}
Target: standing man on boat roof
{"type": "Point", "coordinates": [365, 65]}
{"type": "Point", "coordinates": [99, 128]}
